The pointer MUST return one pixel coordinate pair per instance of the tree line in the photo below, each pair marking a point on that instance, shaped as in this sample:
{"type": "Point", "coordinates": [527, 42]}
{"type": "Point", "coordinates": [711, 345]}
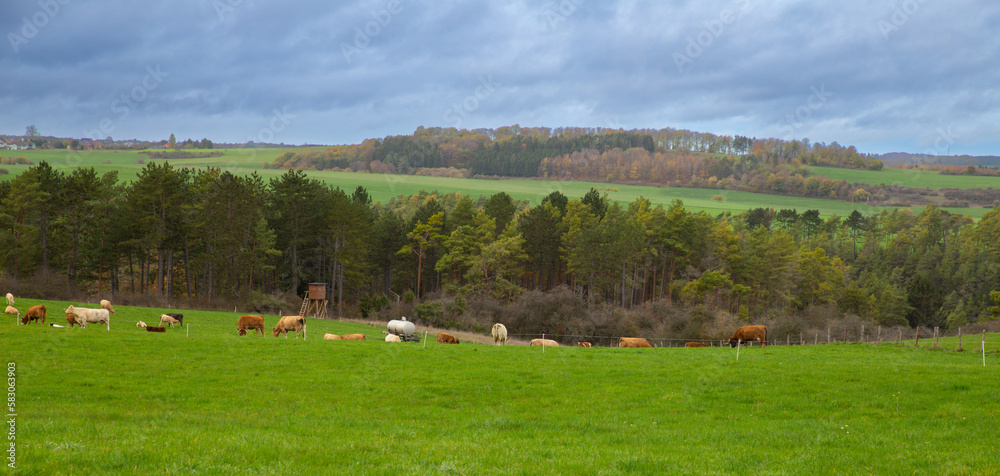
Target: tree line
{"type": "Point", "coordinates": [211, 234]}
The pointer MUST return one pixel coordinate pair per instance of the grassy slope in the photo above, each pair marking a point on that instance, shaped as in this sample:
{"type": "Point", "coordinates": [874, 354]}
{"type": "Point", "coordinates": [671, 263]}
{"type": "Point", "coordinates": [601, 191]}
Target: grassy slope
{"type": "Point", "coordinates": [907, 178]}
{"type": "Point", "coordinates": [128, 401]}
{"type": "Point", "coordinates": [384, 187]}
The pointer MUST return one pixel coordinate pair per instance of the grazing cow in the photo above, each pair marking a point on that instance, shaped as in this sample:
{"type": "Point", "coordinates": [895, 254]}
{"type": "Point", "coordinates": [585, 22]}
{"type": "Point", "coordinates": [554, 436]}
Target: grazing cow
{"type": "Point", "coordinates": [35, 313]}
{"type": "Point", "coordinates": [290, 323]}
{"type": "Point", "coordinates": [443, 338]}
{"type": "Point", "coordinates": [543, 343]}
{"type": "Point", "coordinates": [252, 321]}
{"type": "Point", "coordinates": [499, 334]}
{"type": "Point", "coordinates": [352, 337]}
{"type": "Point", "coordinates": [749, 333]}
{"type": "Point", "coordinates": [10, 299]}
{"type": "Point", "coordinates": [633, 342]}
{"type": "Point", "coordinates": [156, 329]}
{"type": "Point", "coordinates": [696, 344]}
{"type": "Point", "coordinates": [583, 344]}
{"type": "Point", "coordinates": [172, 318]}
{"type": "Point", "coordinates": [331, 337]}
{"type": "Point", "coordinates": [85, 315]}
{"type": "Point", "coordinates": [392, 338]}
{"type": "Point", "coordinates": [13, 311]}
{"type": "Point", "coordinates": [71, 320]}
{"type": "Point", "coordinates": [105, 304]}
{"type": "Point", "coordinates": [141, 324]}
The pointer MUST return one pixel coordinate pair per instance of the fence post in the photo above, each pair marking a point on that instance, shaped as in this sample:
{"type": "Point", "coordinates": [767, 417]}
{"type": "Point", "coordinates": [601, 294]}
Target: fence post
{"type": "Point", "coordinates": [900, 336]}
{"type": "Point", "coordinates": [935, 337]}
{"type": "Point", "coordinates": [916, 340]}
{"type": "Point", "coordinates": [879, 334]}
{"type": "Point", "coordinates": [984, 347]}
{"type": "Point", "coordinates": [845, 333]}
{"type": "Point", "coordinates": [801, 340]}
{"type": "Point", "coordinates": [543, 342]}
{"type": "Point", "coordinates": [816, 338]}
{"type": "Point", "coordinates": [862, 333]}
{"type": "Point", "coordinates": [788, 339]}
{"type": "Point", "coordinates": [959, 348]}
{"type": "Point", "coordinates": [827, 335]}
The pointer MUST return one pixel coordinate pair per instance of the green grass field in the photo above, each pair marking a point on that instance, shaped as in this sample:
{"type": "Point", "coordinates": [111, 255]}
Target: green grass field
{"type": "Point", "coordinates": [383, 187]}
{"type": "Point", "coordinates": [907, 178]}
{"type": "Point", "coordinates": [126, 401]}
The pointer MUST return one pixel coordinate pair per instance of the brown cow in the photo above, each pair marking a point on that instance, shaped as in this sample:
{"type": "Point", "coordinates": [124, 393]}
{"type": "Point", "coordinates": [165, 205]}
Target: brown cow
{"type": "Point", "coordinates": [352, 337]}
{"type": "Point", "coordinates": [290, 323]}
{"type": "Point", "coordinates": [583, 344]}
{"type": "Point", "coordinates": [543, 343]}
{"type": "Point", "coordinates": [71, 319]}
{"type": "Point", "coordinates": [253, 322]}
{"type": "Point", "coordinates": [633, 342]}
{"type": "Point", "coordinates": [331, 337]}
{"type": "Point", "coordinates": [696, 344]}
{"type": "Point", "coordinates": [443, 338]}
{"type": "Point", "coordinates": [156, 329]}
{"type": "Point", "coordinates": [35, 313]}
{"type": "Point", "coordinates": [748, 333]}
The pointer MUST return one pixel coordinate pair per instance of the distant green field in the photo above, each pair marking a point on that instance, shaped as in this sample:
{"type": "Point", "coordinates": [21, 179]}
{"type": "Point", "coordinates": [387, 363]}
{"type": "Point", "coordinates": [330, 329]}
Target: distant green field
{"type": "Point", "coordinates": [907, 178]}
{"type": "Point", "coordinates": [383, 187]}
{"type": "Point", "coordinates": [89, 401]}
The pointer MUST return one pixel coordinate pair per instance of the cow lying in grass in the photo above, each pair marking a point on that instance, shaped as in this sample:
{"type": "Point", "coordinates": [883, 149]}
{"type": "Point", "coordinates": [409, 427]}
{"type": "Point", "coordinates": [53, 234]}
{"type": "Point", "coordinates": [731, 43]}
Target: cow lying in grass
{"type": "Point", "coordinates": [13, 311]}
{"type": "Point", "coordinates": [35, 313]}
{"type": "Point", "coordinates": [443, 338]}
{"type": "Point", "coordinates": [252, 321]}
{"type": "Point", "coordinates": [633, 342]}
{"type": "Point", "coordinates": [140, 324]}
{"type": "Point", "coordinates": [749, 333]}
{"type": "Point", "coordinates": [392, 338]}
{"type": "Point", "coordinates": [583, 344]}
{"type": "Point", "coordinates": [156, 329]}
{"type": "Point", "coordinates": [352, 337]}
{"type": "Point", "coordinates": [331, 337]}
{"type": "Point", "coordinates": [290, 323]}
{"type": "Point", "coordinates": [696, 344]}
{"type": "Point", "coordinates": [543, 343]}
{"type": "Point", "coordinates": [171, 318]}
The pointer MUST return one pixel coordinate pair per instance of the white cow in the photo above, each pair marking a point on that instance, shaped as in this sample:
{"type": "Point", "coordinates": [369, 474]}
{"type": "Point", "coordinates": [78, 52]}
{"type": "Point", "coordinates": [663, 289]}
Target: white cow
{"type": "Point", "coordinates": [85, 315]}
{"type": "Point", "coordinates": [10, 299]}
{"type": "Point", "coordinates": [392, 338]}
{"type": "Point", "coordinates": [499, 334]}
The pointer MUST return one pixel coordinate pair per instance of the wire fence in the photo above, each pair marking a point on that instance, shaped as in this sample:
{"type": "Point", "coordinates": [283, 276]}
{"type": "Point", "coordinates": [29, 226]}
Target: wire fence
{"type": "Point", "coordinates": [963, 338]}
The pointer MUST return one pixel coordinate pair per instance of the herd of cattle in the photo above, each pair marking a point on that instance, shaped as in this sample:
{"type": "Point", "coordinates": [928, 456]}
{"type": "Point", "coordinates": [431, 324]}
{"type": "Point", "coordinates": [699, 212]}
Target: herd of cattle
{"type": "Point", "coordinates": [297, 324]}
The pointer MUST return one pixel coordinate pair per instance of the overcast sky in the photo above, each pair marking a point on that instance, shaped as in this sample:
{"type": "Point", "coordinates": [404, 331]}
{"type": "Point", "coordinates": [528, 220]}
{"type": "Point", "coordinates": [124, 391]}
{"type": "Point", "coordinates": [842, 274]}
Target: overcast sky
{"type": "Point", "coordinates": [913, 75]}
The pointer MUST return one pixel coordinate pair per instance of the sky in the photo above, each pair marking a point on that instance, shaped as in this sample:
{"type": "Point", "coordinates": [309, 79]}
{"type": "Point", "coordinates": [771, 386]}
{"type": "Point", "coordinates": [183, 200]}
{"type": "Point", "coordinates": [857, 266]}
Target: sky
{"type": "Point", "coordinates": [919, 76]}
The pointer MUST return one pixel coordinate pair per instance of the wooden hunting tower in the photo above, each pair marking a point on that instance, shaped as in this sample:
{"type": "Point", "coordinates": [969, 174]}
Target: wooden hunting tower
{"type": "Point", "coordinates": [315, 301]}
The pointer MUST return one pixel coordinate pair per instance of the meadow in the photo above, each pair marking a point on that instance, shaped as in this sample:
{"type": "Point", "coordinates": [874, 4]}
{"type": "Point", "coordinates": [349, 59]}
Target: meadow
{"type": "Point", "coordinates": [907, 178]}
{"type": "Point", "coordinates": [204, 400]}
{"type": "Point", "coordinates": [384, 187]}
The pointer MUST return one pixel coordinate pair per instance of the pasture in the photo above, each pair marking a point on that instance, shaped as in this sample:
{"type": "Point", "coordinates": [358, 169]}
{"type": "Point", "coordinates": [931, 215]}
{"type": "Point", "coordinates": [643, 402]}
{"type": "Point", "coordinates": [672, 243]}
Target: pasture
{"type": "Point", "coordinates": [383, 187]}
{"type": "Point", "coordinates": [126, 401]}
{"type": "Point", "coordinates": [907, 178]}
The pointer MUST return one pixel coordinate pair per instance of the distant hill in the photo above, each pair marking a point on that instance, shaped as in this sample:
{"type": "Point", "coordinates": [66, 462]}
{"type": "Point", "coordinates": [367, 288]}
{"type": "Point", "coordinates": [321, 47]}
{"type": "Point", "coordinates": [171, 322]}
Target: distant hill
{"type": "Point", "coordinates": [905, 158]}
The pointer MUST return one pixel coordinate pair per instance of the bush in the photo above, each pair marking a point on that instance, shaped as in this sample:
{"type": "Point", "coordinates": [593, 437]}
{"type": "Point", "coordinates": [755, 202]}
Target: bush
{"type": "Point", "coordinates": [431, 313]}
